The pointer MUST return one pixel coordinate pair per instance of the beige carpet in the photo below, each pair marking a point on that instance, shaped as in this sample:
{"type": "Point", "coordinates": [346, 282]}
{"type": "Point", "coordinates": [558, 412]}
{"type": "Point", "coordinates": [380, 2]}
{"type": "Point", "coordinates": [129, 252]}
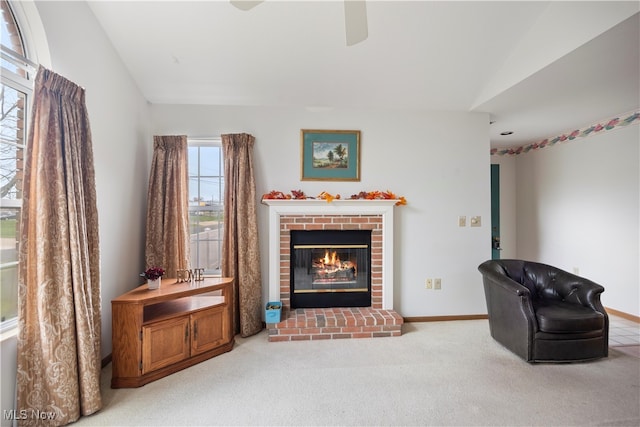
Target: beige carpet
{"type": "Point", "coordinates": [633, 350]}
{"type": "Point", "coordinates": [440, 373]}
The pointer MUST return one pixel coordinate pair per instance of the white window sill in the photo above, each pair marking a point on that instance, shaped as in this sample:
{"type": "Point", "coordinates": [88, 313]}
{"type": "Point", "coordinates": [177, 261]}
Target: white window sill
{"type": "Point", "coordinates": [9, 330]}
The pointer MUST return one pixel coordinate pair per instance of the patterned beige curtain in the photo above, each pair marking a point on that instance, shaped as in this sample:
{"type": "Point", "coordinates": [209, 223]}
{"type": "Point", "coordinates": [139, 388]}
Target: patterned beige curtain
{"type": "Point", "coordinates": [167, 243]}
{"type": "Point", "coordinates": [59, 280]}
{"type": "Point", "coordinates": [240, 251]}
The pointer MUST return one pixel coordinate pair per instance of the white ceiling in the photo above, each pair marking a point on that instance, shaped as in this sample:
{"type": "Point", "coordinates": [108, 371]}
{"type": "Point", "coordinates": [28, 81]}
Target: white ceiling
{"type": "Point", "coordinates": [539, 68]}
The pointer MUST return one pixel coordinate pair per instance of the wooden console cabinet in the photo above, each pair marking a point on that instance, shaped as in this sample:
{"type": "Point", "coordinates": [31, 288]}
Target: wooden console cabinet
{"type": "Point", "coordinates": [158, 332]}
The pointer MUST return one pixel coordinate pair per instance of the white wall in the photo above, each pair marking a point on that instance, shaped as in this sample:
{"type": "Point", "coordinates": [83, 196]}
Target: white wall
{"type": "Point", "coordinates": [577, 207]}
{"type": "Point", "coordinates": [119, 118]}
{"type": "Point", "coordinates": [8, 366]}
{"type": "Point", "coordinates": [438, 161]}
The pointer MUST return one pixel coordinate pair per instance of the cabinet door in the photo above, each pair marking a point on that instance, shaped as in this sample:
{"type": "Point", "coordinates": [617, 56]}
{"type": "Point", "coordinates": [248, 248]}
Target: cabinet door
{"type": "Point", "coordinates": [165, 343]}
{"type": "Point", "coordinates": [209, 329]}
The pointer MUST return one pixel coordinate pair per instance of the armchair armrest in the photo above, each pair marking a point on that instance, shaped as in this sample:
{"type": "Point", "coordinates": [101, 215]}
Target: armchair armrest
{"type": "Point", "coordinates": [579, 290]}
{"type": "Point", "coordinates": [503, 294]}
{"type": "Point", "coordinates": [500, 279]}
{"type": "Point", "coordinates": [512, 320]}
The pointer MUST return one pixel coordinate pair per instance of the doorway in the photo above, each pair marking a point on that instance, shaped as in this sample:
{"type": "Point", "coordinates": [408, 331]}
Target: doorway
{"type": "Point", "coordinates": [495, 212]}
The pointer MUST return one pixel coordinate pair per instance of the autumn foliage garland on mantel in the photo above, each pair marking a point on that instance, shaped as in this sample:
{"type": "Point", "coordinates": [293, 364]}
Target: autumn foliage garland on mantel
{"type": "Point", "coordinates": [364, 195]}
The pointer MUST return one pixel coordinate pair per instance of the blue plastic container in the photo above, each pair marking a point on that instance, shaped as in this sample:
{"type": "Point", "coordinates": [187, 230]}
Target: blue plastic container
{"type": "Point", "coordinates": [272, 312]}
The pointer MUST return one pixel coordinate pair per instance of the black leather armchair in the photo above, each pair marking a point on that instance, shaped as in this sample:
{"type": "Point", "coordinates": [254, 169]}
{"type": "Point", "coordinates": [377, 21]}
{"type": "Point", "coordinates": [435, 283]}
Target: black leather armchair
{"type": "Point", "coordinates": [544, 314]}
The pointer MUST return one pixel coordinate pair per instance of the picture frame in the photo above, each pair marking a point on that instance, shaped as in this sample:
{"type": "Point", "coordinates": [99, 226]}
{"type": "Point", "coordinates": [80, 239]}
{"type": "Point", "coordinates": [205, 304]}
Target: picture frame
{"type": "Point", "coordinates": [329, 155]}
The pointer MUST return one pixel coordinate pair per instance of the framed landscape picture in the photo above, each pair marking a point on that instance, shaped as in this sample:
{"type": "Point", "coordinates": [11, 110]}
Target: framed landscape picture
{"type": "Point", "coordinates": [330, 155]}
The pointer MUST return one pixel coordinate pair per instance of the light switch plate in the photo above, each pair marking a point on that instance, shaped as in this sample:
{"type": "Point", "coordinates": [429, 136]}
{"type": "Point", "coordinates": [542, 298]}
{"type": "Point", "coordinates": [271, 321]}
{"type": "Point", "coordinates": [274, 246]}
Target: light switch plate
{"type": "Point", "coordinates": [462, 221]}
{"type": "Point", "coordinates": [476, 221]}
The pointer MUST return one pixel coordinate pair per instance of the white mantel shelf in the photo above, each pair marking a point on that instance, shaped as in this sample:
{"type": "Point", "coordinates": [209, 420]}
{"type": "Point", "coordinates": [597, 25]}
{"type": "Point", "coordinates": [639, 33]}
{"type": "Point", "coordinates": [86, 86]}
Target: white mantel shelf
{"type": "Point", "coordinates": [382, 207]}
{"type": "Point", "coordinates": [361, 203]}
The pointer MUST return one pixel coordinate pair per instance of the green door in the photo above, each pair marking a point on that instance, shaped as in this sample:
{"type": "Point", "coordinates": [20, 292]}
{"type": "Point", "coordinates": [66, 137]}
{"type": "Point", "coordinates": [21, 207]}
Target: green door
{"type": "Point", "coordinates": [495, 212]}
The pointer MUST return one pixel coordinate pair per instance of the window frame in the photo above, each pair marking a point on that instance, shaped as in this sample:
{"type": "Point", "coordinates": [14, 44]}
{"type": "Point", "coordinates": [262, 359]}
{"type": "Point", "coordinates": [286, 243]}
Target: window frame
{"type": "Point", "coordinates": [198, 143]}
{"type": "Point", "coordinates": [23, 84]}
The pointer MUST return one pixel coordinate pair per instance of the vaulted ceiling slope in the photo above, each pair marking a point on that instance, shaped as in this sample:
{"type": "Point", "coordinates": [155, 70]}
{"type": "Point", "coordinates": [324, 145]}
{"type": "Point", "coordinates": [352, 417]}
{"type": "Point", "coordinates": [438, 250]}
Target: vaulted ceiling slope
{"type": "Point", "coordinates": [537, 67]}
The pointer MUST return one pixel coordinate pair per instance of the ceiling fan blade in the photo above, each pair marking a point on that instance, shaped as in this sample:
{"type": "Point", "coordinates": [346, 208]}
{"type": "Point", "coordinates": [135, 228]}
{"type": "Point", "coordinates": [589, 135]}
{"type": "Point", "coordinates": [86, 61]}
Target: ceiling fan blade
{"type": "Point", "coordinates": [246, 4]}
{"type": "Point", "coordinates": [355, 21]}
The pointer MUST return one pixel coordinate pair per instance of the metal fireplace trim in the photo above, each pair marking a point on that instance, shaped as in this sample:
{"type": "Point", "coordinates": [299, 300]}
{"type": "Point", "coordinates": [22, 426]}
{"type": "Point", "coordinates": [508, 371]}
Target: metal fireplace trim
{"type": "Point", "coordinates": [330, 268]}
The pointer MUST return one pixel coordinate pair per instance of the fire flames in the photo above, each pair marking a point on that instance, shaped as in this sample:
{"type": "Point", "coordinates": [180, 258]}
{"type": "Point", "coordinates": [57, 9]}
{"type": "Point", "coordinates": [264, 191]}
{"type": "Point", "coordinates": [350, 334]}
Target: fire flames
{"type": "Point", "coordinates": [332, 260]}
{"type": "Point", "coordinates": [330, 268]}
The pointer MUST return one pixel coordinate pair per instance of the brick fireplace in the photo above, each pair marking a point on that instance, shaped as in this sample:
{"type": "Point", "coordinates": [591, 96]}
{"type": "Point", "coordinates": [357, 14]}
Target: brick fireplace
{"type": "Point", "coordinates": [377, 320]}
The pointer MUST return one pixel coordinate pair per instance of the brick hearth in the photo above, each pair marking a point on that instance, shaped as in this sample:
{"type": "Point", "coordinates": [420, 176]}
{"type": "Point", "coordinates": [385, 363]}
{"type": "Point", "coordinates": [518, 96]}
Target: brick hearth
{"type": "Point", "coordinates": [332, 323]}
{"type": "Point", "coordinates": [377, 320]}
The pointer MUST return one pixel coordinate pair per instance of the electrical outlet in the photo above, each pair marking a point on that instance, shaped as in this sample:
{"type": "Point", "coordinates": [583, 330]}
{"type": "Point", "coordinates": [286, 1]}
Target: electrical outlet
{"type": "Point", "coordinates": [429, 284]}
{"type": "Point", "coordinates": [476, 221]}
{"type": "Point", "coordinates": [462, 221]}
{"type": "Point", "coordinates": [576, 271]}
{"type": "Point", "coordinates": [437, 284]}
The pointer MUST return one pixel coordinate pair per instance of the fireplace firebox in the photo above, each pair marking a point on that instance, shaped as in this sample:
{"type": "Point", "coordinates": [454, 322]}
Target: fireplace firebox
{"type": "Point", "coordinates": [330, 268]}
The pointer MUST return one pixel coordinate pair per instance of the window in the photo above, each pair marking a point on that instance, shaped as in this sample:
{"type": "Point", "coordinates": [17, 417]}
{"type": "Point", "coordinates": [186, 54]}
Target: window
{"type": "Point", "coordinates": [206, 197]}
{"type": "Point", "coordinates": [15, 91]}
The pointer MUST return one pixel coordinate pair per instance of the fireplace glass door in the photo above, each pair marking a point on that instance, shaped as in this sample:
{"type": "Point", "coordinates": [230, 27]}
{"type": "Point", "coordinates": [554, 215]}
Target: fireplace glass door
{"type": "Point", "coordinates": [330, 268]}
